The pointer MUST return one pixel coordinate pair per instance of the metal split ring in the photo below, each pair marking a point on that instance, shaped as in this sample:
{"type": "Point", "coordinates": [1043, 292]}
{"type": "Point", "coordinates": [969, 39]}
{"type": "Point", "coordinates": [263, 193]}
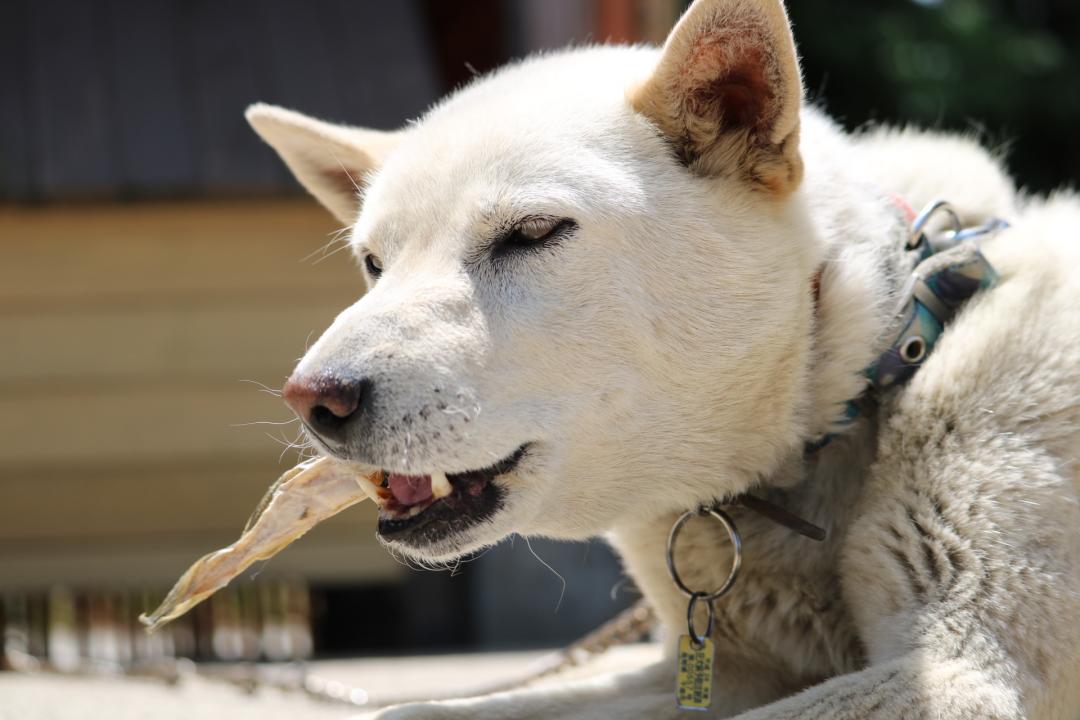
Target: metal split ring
{"type": "Point", "coordinates": [916, 237]}
{"type": "Point", "coordinates": [736, 558]}
{"type": "Point", "coordinates": [695, 637]}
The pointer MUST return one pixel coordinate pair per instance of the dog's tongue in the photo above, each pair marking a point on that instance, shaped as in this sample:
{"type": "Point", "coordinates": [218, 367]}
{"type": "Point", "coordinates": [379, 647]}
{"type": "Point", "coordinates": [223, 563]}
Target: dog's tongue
{"type": "Point", "coordinates": [410, 489]}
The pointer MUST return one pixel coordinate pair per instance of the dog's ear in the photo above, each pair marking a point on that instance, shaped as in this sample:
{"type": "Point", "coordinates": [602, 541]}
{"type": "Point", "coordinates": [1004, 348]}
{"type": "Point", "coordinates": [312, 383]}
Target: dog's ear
{"type": "Point", "coordinates": [727, 91]}
{"type": "Point", "coordinates": [332, 161]}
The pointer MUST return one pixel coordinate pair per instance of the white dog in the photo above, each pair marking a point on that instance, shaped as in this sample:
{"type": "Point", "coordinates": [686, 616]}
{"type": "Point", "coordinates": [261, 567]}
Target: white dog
{"type": "Point", "coordinates": [612, 285]}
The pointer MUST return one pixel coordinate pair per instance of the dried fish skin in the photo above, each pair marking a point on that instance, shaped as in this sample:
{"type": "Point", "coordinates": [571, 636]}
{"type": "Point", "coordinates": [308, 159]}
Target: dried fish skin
{"type": "Point", "coordinates": [300, 499]}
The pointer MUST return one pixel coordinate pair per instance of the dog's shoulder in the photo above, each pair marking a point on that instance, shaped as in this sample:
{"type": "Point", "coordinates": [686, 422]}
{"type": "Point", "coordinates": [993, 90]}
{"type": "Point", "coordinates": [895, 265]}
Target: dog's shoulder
{"type": "Point", "coordinates": [970, 504]}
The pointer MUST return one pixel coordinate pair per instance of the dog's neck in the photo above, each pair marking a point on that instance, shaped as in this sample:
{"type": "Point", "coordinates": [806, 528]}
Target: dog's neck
{"type": "Point", "coordinates": [861, 231]}
{"type": "Point", "coordinates": [862, 270]}
{"type": "Point", "coordinates": [856, 290]}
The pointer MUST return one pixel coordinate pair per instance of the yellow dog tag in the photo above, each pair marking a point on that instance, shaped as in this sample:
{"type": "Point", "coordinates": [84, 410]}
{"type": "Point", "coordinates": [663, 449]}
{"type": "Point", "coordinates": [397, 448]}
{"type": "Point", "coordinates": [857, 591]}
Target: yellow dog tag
{"type": "Point", "coordinates": [693, 690]}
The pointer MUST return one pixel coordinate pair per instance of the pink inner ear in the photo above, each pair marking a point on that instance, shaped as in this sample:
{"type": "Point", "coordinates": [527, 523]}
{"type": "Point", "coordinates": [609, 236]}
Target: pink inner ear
{"type": "Point", "coordinates": [731, 79]}
{"type": "Point", "coordinates": [348, 183]}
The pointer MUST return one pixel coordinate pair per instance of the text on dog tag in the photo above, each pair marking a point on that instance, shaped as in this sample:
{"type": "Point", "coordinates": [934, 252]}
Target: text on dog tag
{"type": "Point", "coordinates": [693, 690]}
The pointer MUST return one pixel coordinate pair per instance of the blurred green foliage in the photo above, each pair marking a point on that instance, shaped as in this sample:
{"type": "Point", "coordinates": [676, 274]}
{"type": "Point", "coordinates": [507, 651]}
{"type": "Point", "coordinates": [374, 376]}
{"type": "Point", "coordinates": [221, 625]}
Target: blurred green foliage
{"type": "Point", "coordinates": [1008, 70]}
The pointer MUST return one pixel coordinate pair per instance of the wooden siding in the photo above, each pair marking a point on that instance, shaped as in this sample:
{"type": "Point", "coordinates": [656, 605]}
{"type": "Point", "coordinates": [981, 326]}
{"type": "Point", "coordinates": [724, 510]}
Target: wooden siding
{"type": "Point", "coordinates": [128, 333]}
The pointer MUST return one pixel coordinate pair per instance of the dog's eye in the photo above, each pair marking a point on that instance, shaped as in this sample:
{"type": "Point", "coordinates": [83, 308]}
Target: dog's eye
{"type": "Point", "coordinates": [533, 232]}
{"type": "Point", "coordinates": [373, 265]}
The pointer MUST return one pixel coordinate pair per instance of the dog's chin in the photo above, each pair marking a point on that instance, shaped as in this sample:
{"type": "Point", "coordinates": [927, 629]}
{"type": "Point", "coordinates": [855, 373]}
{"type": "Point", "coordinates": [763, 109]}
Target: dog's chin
{"type": "Point", "coordinates": [445, 552]}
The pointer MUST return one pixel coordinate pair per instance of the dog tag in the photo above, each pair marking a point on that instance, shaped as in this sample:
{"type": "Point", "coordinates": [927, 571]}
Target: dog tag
{"type": "Point", "coordinates": [693, 690]}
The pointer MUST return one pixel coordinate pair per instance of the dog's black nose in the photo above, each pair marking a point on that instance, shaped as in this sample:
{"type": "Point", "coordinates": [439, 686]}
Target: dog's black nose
{"type": "Point", "coordinates": [327, 405]}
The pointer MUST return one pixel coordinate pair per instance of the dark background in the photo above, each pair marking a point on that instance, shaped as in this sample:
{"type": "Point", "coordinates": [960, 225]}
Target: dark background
{"type": "Point", "coordinates": [1005, 70]}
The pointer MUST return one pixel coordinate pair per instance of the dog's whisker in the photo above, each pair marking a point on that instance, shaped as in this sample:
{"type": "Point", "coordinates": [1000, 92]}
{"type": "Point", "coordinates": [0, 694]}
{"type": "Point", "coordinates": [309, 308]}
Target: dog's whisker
{"type": "Point", "coordinates": [263, 387]}
{"type": "Point", "coordinates": [617, 587]}
{"type": "Point", "coordinates": [322, 250]}
{"type": "Point", "coordinates": [332, 253]}
{"type": "Point", "coordinates": [279, 440]}
{"type": "Point", "coordinates": [562, 592]}
{"type": "Point", "coordinates": [301, 444]}
{"type": "Point", "coordinates": [265, 422]}
{"type": "Point", "coordinates": [347, 173]}
{"type": "Point", "coordinates": [335, 237]}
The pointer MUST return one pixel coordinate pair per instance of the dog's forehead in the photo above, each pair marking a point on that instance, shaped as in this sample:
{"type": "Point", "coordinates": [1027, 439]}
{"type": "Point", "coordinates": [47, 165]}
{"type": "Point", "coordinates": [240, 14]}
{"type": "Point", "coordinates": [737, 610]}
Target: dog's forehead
{"type": "Point", "coordinates": [523, 141]}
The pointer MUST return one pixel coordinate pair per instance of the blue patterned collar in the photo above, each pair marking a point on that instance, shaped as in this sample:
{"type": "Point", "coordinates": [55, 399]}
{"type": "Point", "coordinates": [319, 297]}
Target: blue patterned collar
{"type": "Point", "coordinates": [949, 270]}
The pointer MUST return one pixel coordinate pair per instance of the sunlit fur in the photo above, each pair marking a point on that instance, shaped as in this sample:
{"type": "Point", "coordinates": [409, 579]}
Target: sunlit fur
{"type": "Point", "coordinates": [670, 352]}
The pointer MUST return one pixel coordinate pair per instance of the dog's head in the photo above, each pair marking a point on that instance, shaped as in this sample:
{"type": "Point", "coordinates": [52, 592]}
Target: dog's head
{"type": "Point", "coordinates": [588, 285]}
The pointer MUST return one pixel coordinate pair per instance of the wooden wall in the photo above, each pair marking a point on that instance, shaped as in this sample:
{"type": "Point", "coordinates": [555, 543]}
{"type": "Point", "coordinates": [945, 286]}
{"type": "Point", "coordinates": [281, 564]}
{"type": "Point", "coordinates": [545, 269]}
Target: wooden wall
{"type": "Point", "coordinates": [127, 333]}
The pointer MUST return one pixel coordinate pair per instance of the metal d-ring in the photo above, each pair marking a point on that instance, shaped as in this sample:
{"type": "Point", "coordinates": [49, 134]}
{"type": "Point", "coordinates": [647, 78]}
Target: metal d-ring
{"type": "Point", "coordinates": [916, 237]}
{"type": "Point", "coordinates": [736, 558]}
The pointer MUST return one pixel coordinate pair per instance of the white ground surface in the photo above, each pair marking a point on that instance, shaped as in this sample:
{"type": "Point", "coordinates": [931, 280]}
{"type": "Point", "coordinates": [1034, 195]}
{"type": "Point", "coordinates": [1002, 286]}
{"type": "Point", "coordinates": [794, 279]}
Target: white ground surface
{"type": "Point", "coordinates": [387, 680]}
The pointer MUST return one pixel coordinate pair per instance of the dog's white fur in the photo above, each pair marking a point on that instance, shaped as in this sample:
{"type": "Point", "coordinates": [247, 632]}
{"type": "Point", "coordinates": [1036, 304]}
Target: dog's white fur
{"type": "Point", "coordinates": [669, 352]}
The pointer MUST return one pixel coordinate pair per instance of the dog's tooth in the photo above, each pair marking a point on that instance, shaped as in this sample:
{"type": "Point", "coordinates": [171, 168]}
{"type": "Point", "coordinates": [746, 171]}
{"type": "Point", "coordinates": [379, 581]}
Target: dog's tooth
{"type": "Point", "coordinates": [370, 485]}
{"type": "Point", "coordinates": [440, 485]}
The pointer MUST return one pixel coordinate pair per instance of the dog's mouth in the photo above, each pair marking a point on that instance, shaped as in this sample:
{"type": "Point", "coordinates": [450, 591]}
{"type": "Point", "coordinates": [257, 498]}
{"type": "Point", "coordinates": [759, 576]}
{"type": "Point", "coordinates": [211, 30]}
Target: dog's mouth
{"type": "Point", "coordinates": [420, 510]}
